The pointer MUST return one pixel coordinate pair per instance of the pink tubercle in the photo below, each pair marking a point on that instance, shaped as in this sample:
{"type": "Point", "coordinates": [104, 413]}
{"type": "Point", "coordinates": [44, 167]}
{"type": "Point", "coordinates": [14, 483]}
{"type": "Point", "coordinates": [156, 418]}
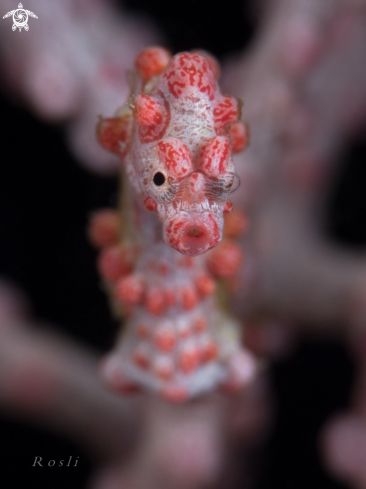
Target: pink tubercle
{"type": "Point", "coordinates": [187, 70]}
{"type": "Point", "coordinates": [215, 156]}
{"type": "Point", "coordinates": [113, 263]}
{"type": "Point", "coordinates": [155, 301]}
{"type": "Point", "coordinates": [115, 133]}
{"type": "Point", "coordinates": [170, 297]}
{"type": "Point", "coordinates": [189, 359]}
{"type": "Point", "coordinates": [176, 157]}
{"type": "Point", "coordinates": [210, 351]}
{"type": "Point", "coordinates": [189, 298]}
{"type": "Point", "coordinates": [205, 285]}
{"type": "Point", "coordinates": [152, 61]}
{"type": "Point", "coordinates": [150, 204]}
{"type": "Point", "coordinates": [148, 110]}
{"type": "Point", "coordinates": [200, 325]}
{"type": "Point", "coordinates": [129, 290]}
{"type": "Point", "coordinates": [224, 262]}
{"type": "Point", "coordinates": [226, 110]}
{"type": "Point", "coordinates": [236, 224]}
{"type": "Point", "coordinates": [228, 207]}
{"type": "Point", "coordinates": [238, 134]}
{"type": "Point", "coordinates": [165, 340]}
{"type": "Point", "coordinates": [103, 229]}
{"type": "Point", "coordinates": [153, 116]}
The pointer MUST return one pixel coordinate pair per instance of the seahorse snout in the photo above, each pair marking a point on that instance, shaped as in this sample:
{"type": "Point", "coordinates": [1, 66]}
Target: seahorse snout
{"type": "Point", "coordinates": [193, 235]}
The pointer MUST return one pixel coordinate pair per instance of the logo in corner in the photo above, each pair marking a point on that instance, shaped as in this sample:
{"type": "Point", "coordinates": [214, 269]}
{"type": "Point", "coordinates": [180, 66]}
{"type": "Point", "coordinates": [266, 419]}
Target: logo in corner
{"type": "Point", "coordinates": [20, 17]}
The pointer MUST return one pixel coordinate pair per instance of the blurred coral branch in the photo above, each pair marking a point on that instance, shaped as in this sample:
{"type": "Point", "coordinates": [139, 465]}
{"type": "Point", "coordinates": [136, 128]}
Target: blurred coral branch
{"type": "Point", "coordinates": [304, 89]}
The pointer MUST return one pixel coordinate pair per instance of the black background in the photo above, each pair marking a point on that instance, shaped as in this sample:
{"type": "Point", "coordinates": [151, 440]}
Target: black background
{"type": "Point", "coordinates": [45, 199]}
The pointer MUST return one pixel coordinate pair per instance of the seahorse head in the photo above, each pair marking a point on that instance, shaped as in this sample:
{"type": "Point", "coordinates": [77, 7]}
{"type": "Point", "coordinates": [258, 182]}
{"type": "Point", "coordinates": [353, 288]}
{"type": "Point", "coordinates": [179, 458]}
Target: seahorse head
{"type": "Point", "coordinates": [182, 137]}
{"type": "Point", "coordinates": [188, 190]}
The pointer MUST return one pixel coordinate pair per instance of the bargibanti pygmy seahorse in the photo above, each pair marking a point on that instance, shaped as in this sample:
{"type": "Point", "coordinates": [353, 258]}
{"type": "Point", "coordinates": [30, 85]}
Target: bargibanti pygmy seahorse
{"type": "Point", "coordinates": [166, 257]}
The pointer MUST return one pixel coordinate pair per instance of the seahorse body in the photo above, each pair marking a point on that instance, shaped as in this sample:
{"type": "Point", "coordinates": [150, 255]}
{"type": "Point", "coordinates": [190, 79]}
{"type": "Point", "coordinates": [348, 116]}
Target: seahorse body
{"type": "Point", "coordinates": [175, 138]}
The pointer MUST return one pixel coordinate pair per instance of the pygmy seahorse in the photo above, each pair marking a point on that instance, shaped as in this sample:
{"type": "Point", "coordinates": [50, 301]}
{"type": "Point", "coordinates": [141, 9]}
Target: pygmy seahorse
{"type": "Point", "coordinates": [175, 136]}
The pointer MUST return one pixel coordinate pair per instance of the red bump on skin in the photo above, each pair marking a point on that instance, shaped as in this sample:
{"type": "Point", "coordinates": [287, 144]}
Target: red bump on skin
{"type": "Point", "coordinates": [225, 260]}
{"type": "Point", "coordinates": [210, 351]}
{"type": "Point", "coordinates": [215, 156]}
{"type": "Point", "coordinates": [189, 298]}
{"type": "Point", "coordinates": [103, 228]}
{"type": "Point", "coordinates": [164, 340]}
{"type": "Point", "coordinates": [176, 157]}
{"type": "Point", "coordinates": [228, 207]}
{"type": "Point", "coordinates": [153, 117]}
{"type": "Point", "coordinates": [189, 359]}
{"type": "Point", "coordinates": [113, 263]}
{"type": "Point", "coordinates": [187, 70]}
{"type": "Point", "coordinates": [200, 324]}
{"type": "Point", "coordinates": [148, 110]}
{"type": "Point", "coordinates": [155, 302]}
{"type": "Point", "coordinates": [205, 285]}
{"type": "Point", "coordinates": [238, 134]}
{"type": "Point", "coordinates": [226, 110]}
{"type": "Point", "coordinates": [115, 134]}
{"type": "Point", "coordinates": [151, 62]}
{"type": "Point", "coordinates": [150, 204]}
{"type": "Point", "coordinates": [236, 224]}
{"type": "Point", "coordinates": [129, 291]}
{"type": "Point", "coordinates": [214, 64]}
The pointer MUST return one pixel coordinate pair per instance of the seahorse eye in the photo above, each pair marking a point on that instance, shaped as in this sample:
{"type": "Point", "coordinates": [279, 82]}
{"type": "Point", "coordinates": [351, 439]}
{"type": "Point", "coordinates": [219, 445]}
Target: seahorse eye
{"type": "Point", "coordinates": [159, 179]}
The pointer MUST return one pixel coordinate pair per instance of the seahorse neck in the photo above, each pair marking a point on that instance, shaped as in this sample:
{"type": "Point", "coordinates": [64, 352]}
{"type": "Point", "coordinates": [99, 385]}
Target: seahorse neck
{"type": "Point", "coordinates": [138, 227]}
